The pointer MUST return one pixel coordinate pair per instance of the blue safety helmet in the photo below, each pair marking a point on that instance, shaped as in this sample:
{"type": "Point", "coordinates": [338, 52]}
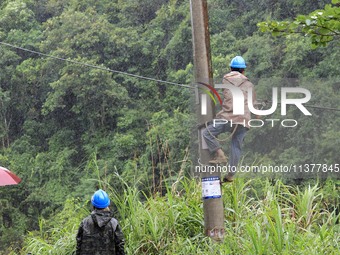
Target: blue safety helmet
{"type": "Point", "coordinates": [100, 199]}
{"type": "Point", "coordinates": [238, 62]}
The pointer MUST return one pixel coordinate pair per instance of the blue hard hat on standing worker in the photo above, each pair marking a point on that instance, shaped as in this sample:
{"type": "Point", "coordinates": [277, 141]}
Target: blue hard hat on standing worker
{"type": "Point", "coordinates": [100, 199]}
{"type": "Point", "coordinates": [238, 62]}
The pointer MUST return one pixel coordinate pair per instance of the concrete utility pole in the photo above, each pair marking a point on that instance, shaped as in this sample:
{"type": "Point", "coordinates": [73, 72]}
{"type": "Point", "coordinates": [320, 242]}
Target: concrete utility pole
{"type": "Point", "coordinates": [211, 189]}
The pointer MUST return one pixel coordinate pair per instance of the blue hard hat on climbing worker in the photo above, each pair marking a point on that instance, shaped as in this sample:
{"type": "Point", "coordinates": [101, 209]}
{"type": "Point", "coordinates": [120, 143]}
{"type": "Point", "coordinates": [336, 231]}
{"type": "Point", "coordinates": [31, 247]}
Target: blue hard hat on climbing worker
{"type": "Point", "coordinates": [100, 199]}
{"type": "Point", "coordinates": [238, 62]}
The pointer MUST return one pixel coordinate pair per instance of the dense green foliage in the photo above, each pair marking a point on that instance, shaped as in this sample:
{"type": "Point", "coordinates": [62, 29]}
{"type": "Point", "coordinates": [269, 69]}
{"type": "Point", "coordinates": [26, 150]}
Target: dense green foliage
{"type": "Point", "coordinates": [322, 25]}
{"type": "Point", "coordinates": [64, 126]}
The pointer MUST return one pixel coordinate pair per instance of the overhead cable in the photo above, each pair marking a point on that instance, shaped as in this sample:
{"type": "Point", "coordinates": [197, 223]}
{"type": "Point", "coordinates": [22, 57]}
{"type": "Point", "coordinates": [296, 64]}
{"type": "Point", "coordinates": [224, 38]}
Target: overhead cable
{"type": "Point", "coordinates": [129, 74]}
{"type": "Point", "coordinates": [97, 67]}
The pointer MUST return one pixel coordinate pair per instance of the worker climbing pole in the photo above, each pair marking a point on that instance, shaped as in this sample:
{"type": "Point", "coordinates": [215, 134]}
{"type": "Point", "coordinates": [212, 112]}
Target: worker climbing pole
{"type": "Point", "coordinates": [211, 189]}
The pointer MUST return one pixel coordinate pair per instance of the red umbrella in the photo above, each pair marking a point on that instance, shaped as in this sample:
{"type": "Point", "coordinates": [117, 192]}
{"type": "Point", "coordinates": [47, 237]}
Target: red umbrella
{"type": "Point", "coordinates": [7, 177]}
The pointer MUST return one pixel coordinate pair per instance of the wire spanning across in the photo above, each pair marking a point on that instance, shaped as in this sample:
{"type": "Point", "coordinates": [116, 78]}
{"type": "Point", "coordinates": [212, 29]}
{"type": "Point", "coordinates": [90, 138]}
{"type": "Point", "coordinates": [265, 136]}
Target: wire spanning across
{"type": "Point", "coordinates": [134, 75]}
{"type": "Point", "coordinates": [97, 67]}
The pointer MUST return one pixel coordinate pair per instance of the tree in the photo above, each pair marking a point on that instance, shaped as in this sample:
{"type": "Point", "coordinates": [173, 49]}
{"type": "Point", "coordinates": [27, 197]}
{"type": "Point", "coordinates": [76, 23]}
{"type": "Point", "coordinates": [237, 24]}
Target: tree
{"type": "Point", "coordinates": [4, 122]}
{"type": "Point", "coordinates": [321, 26]}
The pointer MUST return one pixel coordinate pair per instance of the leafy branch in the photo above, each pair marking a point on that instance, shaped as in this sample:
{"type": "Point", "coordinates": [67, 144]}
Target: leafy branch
{"type": "Point", "coordinates": [321, 26]}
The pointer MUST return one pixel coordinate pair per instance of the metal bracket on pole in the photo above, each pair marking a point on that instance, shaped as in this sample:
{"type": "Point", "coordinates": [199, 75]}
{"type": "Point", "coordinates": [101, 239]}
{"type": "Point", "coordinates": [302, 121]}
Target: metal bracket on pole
{"type": "Point", "coordinates": [204, 145]}
{"type": "Point", "coordinates": [197, 95]}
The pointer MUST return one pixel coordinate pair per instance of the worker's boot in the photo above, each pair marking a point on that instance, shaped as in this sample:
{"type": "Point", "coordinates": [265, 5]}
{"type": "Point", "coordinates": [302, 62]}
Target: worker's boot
{"type": "Point", "coordinates": [219, 160]}
{"type": "Point", "coordinates": [228, 178]}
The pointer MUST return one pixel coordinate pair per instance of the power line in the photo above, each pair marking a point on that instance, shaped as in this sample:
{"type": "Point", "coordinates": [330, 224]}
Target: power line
{"type": "Point", "coordinates": [322, 107]}
{"type": "Point", "coordinates": [132, 75]}
{"type": "Point", "coordinates": [97, 67]}
{"type": "Point", "coordinates": [265, 102]}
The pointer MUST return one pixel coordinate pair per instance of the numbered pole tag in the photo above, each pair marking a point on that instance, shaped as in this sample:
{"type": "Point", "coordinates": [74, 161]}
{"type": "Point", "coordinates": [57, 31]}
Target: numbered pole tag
{"type": "Point", "coordinates": [211, 187]}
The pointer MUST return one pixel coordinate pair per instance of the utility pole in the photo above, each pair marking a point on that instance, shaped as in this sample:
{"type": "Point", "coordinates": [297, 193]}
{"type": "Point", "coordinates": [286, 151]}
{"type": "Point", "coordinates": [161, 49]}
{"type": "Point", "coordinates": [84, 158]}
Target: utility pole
{"type": "Point", "coordinates": [211, 189]}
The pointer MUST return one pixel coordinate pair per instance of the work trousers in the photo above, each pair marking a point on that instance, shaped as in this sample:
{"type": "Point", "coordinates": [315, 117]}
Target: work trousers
{"type": "Point", "coordinates": [214, 129]}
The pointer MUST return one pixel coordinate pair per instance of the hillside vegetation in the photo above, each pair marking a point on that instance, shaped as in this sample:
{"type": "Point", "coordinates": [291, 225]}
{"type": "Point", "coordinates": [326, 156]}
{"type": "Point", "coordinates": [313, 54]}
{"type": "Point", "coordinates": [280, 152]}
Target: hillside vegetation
{"type": "Point", "coordinates": [68, 125]}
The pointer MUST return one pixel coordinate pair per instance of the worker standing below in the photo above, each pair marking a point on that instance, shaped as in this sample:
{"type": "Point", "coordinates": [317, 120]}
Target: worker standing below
{"type": "Point", "coordinates": [237, 125]}
{"type": "Point", "coordinates": [100, 233]}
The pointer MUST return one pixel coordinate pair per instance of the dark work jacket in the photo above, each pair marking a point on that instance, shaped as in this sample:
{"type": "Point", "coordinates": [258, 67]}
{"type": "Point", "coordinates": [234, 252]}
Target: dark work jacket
{"type": "Point", "coordinates": [100, 234]}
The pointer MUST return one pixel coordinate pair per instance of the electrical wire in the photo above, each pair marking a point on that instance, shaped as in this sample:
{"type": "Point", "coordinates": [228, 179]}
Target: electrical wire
{"type": "Point", "coordinates": [322, 107]}
{"type": "Point", "coordinates": [133, 75]}
{"type": "Point", "coordinates": [97, 67]}
{"type": "Point", "coordinates": [265, 102]}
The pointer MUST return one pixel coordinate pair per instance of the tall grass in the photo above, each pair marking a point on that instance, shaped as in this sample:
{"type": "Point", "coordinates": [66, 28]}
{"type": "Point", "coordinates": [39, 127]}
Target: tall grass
{"type": "Point", "coordinates": [57, 235]}
{"type": "Point", "coordinates": [260, 218]}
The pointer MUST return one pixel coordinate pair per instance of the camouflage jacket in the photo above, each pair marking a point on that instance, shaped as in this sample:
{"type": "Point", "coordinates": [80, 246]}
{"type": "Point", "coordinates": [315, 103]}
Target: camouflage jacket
{"type": "Point", "coordinates": [100, 234]}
